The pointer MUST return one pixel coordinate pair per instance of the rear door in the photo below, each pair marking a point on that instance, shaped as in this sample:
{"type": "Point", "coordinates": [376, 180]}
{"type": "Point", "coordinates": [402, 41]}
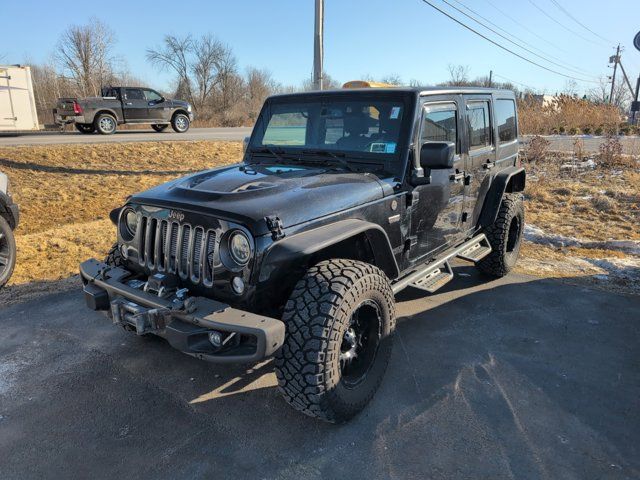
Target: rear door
{"type": "Point", "coordinates": [134, 105]}
{"type": "Point", "coordinates": [436, 218]}
{"type": "Point", "coordinates": [480, 153]}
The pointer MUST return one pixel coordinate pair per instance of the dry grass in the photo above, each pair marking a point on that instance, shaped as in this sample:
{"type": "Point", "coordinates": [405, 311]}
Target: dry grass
{"type": "Point", "coordinates": [65, 193]}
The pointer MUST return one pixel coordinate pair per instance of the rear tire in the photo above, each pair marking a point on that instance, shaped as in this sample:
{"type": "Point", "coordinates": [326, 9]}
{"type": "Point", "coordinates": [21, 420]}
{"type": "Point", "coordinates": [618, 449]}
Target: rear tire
{"type": "Point", "coordinates": [159, 128]}
{"type": "Point", "coordinates": [505, 237]}
{"type": "Point", "coordinates": [105, 124]}
{"type": "Point", "coordinates": [340, 320]}
{"type": "Point", "coordinates": [180, 123]}
{"type": "Point", "coordinates": [85, 127]}
{"type": "Point", "coordinates": [7, 252]}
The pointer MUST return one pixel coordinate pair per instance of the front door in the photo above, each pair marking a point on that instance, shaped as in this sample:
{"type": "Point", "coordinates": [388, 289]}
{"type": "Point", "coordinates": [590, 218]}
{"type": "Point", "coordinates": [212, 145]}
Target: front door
{"type": "Point", "coordinates": [155, 106]}
{"type": "Point", "coordinates": [480, 146]}
{"type": "Point", "coordinates": [436, 215]}
{"type": "Point", "coordinates": [134, 105]}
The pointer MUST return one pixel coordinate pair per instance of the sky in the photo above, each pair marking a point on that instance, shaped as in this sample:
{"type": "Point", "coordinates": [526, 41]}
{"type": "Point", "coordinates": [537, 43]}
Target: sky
{"type": "Point", "coordinates": [373, 38]}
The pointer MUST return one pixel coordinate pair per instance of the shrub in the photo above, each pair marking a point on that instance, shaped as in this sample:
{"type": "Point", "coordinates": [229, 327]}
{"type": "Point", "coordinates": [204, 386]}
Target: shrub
{"type": "Point", "coordinates": [536, 149]}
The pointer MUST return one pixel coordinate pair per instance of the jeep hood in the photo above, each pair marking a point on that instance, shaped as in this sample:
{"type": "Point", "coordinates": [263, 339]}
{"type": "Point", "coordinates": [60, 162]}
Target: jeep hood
{"type": "Point", "coordinates": [247, 193]}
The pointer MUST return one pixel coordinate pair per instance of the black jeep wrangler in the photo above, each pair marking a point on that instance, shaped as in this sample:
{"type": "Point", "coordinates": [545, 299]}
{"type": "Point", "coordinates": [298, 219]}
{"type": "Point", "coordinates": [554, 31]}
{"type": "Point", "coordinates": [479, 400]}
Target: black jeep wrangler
{"type": "Point", "coordinates": [343, 199]}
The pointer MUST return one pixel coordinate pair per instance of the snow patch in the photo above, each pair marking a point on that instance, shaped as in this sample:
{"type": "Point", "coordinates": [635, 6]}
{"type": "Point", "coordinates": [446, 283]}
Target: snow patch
{"type": "Point", "coordinates": [537, 235]}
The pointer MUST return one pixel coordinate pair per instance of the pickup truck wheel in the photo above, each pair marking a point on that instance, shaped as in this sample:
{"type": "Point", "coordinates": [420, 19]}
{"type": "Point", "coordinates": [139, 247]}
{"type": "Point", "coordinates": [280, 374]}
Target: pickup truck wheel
{"type": "Point", "coordinates": [85, 127]}
{"type": "Point", "coordinates": [505, 237]}
{"type": "Point", "coordinates": [159, 128]}
{"type": "Point", "coordinates": [105, 124]}
{"type": "Point", "coordinates": [7, 252]}
{"type": "Point", "coordinates": [340, 320]}
{"type": "Point", "coordinates": [180, 123]}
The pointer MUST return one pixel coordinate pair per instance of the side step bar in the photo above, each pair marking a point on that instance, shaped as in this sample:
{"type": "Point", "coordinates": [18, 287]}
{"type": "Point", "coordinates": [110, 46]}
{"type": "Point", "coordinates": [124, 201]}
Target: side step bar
{"type": "Point", "coordinates": [435, 274]}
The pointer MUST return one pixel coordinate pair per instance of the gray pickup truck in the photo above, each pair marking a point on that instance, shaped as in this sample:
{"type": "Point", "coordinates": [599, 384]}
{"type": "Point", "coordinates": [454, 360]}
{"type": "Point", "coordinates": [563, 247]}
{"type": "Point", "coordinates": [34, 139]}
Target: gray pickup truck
{"type": "Point", "coordinates": [120, 105]}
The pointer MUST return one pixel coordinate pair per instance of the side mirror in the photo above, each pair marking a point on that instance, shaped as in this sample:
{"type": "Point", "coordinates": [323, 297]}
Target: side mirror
{"type": "Point", "coordinates": [245, 144]}
{"type": "Point", "coordinates": [437, 155]}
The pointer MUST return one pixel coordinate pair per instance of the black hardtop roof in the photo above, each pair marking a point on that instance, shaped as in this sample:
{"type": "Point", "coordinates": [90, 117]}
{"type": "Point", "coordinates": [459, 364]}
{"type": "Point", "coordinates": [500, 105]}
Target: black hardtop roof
{"type": "Point", "coordinates": [421, 91]}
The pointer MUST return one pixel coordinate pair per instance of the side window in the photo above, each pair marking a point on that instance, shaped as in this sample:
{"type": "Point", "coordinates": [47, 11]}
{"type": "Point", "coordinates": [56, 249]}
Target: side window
{"type": "Point", "coordinates": [506, 120]}
{"type": "Point", "coordinates": [134, 94]}
{"type": "Point", "coordinates": [439, 123]}
{"type": "Point", "coordinates": [152, 96]}
{"type": "Point", "coordinates": [479, 125]}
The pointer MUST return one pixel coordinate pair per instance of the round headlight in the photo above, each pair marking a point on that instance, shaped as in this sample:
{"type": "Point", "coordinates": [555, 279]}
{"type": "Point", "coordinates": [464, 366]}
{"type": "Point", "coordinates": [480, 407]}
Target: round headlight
{"type": "Point", "coordinates": [239, 248]}
{"type": "Point", "coordinates": [129, 223]}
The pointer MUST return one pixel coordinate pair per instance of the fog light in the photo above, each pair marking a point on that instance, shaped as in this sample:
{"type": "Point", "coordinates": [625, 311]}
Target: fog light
{"type": "Point", "coordinates": [215, 338]}
{"type": "Point", "coordinates": [237, 284]}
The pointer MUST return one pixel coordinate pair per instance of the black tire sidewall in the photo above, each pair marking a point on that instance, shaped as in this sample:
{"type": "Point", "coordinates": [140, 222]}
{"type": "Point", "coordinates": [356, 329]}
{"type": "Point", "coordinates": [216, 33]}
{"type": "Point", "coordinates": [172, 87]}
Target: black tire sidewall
{"type": "Point", "coordinates": [159, 128]}
{"type": "Point", "coordinates": [5, 228]}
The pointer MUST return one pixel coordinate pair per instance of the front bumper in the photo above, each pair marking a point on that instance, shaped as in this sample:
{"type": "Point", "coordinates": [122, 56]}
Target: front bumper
{"type": "Point", "coordinates": [186, 324]}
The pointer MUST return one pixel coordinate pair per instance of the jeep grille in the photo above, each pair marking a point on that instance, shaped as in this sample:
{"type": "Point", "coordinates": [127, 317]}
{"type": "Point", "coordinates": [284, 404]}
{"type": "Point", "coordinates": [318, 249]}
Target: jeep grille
{"type": "Point", "coordinates": [182, 249]}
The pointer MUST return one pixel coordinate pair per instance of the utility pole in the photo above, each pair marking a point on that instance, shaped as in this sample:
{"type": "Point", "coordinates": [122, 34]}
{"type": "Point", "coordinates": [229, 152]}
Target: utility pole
{"type": "Point", "coordinates": [615, 60]}
{"type": "Point", "coordinates": [490, 78]}
{"type": "Point", "coordinates": [318, 45]}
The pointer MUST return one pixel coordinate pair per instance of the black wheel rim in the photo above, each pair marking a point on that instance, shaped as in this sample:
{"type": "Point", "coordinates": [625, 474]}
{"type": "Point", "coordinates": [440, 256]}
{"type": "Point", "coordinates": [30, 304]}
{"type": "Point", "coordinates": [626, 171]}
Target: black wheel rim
{"type": "Point", "coordinates": [513, 236]}
{"type": "Point", "coordinates": [5, 253]}
{"type": "Point", "coordinates": [360, 343]}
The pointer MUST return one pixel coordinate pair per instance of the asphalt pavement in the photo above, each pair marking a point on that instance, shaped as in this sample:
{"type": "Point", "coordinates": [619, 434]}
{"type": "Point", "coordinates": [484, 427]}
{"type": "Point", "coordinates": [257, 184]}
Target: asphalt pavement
{"type": "Point", "coordinates": [517, 378]}
{"type": "Point", "coordinates": [121, 136]}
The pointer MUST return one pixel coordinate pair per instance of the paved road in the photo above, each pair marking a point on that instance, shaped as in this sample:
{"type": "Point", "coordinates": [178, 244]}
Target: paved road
{"type": "Point", "coordinates": [518, 378]}
{"type": "Point", "coordinates": [557, 142]}
{"type": "Point", "coordinates": [55, 138]}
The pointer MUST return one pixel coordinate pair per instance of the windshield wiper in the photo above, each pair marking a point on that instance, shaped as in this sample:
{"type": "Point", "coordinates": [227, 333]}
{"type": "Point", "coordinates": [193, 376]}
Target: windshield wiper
{"type": "Point", "coordinates": [273, 151]}
{"type": "Point", "coordinates": [338, 157]}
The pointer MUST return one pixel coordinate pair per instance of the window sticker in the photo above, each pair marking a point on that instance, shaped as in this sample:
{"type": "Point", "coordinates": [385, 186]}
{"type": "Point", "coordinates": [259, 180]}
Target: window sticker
{"type": "Point", "coordinates": [383, 147]}
{"type": "Point", "coordinates": [395, 113]}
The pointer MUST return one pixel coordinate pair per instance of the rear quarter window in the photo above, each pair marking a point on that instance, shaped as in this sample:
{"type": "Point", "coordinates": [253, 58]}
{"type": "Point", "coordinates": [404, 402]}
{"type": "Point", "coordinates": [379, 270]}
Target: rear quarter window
{"type": "Point", "coordinates": [506, 120]}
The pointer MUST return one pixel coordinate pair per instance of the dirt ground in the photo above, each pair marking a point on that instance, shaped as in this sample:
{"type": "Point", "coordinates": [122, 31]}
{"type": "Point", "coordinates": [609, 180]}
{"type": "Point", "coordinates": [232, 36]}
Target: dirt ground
{"type": "Point", "coordinates": [66, 192]}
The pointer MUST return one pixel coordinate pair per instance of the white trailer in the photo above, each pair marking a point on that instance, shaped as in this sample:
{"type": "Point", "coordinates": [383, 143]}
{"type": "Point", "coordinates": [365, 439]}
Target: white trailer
{"type": "Point", "coordinates": [17, 103]}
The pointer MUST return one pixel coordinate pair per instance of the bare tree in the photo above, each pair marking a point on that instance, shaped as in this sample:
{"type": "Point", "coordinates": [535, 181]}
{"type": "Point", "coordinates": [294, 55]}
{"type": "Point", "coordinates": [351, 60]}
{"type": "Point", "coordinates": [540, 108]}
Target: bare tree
{"type": "Point", "coordinates": [602, 92]}
{"type": "Point", "coordinates": [174, 55]}
{"type": "Point", "coordinates": [458, 75]}
{"type": "Point", "coordinates": [84, 53]}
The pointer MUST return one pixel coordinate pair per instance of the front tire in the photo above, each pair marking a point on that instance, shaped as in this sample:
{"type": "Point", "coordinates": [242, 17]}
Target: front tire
{"type": "Point", "coordinates": [180, 123]}
{"type": "Point", "coordinates": [7, 252]}
{"type": "Point", "coordinates": [105, 124]}
{"type": "Point", "coordinates": [340, 321]}
{"type": "Point", "coordinates": [159, 128]}
{"type": "Point", "coordinates": [505, 237]}
{"type": "Point", "coordinates": [114, 257]}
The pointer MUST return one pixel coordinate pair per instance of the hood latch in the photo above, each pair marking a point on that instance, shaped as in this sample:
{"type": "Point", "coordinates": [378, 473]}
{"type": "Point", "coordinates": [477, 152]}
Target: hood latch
{"type": "Point", "coordinates": [274, 224]}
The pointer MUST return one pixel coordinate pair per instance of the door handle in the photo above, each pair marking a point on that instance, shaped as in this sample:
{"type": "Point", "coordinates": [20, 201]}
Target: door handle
{"type": "Point", "coordinates": [129, 103]}
{"type": "Point", "coordinates": [489, 165]}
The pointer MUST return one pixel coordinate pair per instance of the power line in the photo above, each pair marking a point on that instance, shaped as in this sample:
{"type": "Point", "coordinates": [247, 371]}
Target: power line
{"type": "Point", "coordinates": [573, 67]}
{"type": "Point", "coordinates": [522, 25]}
{"type": "Point", "coordinates": [503, 47]}
{"type": "Point", "coordinates": [514, 43]}
{"type": "Point", "coordinates": [513, 81]}
{"type": "Point", "coordinates": [562, 25]}
{"type": "Point", "coordinates": [568, 14]}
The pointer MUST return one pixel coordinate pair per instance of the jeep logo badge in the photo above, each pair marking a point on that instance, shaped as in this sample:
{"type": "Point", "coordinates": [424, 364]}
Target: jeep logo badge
{"type": "Point", "coordinates": [175, 215]}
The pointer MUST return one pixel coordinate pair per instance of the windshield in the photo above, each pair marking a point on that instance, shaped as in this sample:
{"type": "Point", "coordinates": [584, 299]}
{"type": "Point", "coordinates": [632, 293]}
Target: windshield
{"type": "Point", "coordinates": [370, 126]}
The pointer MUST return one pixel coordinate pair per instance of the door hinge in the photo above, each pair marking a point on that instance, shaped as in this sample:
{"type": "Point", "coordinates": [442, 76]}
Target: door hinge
{"type": "Point", "coordinates": [275, 226]}
{"type": "Point", "coordinates": [464, 216]}
{"type": "Point", "coordinates": [412, 198]}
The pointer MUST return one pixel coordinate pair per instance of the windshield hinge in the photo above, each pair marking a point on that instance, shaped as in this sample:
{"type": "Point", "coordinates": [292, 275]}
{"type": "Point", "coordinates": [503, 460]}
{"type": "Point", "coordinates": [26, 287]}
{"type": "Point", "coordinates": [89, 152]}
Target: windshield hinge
{"type": "Point", "coordinates": [274, 224]}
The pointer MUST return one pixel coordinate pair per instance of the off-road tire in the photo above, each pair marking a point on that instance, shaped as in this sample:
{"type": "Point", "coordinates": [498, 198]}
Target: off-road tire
{"type": "Point", "coordinates": [505, 237]}
{"type": "Point", "coordinates": [159, 128]}
{"type": "Point", "coordinates": [114, 257]}
{"type": "Point", "coordinates": [317, 316]}
{"type": "Point", "coordinates": [180, 123]}
{"type": "Point", "coordinates": [7, 251]}
{"type": "Point", "coordinates": [102, 121]}
{"type": "Point", "coordinates": [85, 127]}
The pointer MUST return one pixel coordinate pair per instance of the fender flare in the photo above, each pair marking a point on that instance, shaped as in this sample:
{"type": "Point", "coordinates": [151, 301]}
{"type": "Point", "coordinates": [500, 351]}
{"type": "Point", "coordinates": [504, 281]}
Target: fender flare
{"type": "Point", "coordinates": [294, 249]}
{"type": "Point", "coordinates": [509, 180]}
{"type": "Point", "coordinates": [109, 111]}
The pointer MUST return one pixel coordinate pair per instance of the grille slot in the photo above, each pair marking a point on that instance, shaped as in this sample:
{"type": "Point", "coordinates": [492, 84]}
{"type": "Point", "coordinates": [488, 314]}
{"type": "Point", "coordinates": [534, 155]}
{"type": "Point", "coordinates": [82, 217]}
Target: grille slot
{"type": "Point", "coordinates": [181, 249]}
